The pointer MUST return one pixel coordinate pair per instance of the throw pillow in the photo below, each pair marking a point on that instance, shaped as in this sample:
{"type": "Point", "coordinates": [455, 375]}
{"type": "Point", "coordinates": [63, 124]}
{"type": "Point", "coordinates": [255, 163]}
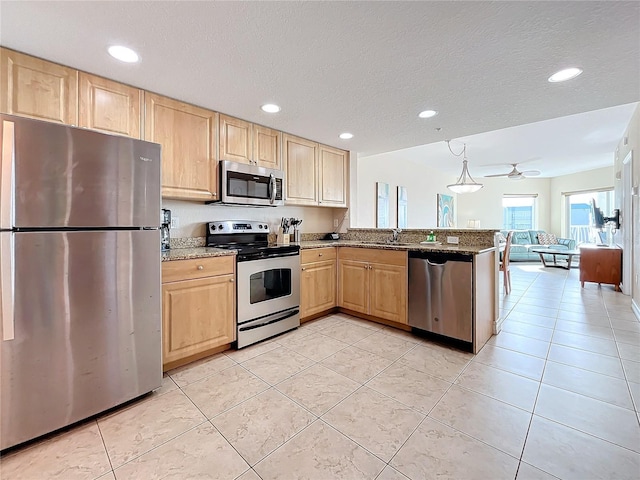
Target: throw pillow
{"type": "Point", "coordinates": [547, 239]}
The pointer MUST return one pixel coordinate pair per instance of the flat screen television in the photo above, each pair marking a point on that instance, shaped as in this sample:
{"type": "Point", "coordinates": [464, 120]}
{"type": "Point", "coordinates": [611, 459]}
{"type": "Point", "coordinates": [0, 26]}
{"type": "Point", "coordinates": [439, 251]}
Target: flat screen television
{"type": "Point", "coordinates": [596, 217]}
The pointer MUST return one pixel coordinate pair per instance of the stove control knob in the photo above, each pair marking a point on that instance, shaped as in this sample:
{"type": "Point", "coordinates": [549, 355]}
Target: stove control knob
{"type": "Point", "coordinates": [220, 227]}
{"type": "Point", "coordinates": [260, 226]}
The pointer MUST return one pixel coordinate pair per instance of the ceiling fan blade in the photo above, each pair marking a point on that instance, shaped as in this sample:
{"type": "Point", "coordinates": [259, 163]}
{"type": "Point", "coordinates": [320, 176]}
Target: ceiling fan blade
{"type": "Point", "coordinates": [531, 173]}
{"type": "Point", "coordinates": [499, 175]}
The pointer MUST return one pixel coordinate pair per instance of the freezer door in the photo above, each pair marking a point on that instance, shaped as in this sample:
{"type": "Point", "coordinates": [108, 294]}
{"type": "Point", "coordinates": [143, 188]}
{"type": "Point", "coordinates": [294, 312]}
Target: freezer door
{"type": "Point", "coordinates": [71, 177]}
{"type": "Point", "coordinates": [86, 327]}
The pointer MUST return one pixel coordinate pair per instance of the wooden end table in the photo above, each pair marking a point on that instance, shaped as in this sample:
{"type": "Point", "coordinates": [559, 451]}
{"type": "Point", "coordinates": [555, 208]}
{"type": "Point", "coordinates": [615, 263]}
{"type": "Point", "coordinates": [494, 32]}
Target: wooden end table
{"type": "Point", "coordinates": [556, 253]}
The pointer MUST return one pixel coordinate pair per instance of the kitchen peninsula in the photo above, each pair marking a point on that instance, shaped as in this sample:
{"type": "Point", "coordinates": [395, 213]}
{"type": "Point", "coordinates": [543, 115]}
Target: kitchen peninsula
{"type": "Point", "coordinates": [362, 274]}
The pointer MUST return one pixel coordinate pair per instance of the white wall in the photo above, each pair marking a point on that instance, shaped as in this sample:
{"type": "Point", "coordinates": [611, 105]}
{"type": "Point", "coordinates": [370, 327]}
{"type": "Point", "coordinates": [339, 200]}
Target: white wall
{"type": "Point", "coordinates": [193, 216]}
{"type": "Point", "coordinates": [632, 136]}
{"type": "Point", "coordinates": [598, 179]}
{"type": "Point", "coordinates": [486, 204]}
{"type": "Point", "coordinates": [422, 183]}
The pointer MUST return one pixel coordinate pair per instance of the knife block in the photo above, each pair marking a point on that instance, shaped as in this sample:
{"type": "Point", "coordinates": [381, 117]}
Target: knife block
{"type": "Point", "coordinates": [282, 238]}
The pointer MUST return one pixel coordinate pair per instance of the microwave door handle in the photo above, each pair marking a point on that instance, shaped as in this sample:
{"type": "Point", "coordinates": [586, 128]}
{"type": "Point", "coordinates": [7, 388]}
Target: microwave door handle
{"type": "Point", "coordinates": [272, 186]}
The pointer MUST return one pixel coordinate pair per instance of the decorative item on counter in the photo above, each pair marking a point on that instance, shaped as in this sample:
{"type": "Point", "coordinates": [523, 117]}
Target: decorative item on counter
{"type": "Point", "coordinates": [431, 237]}
{"type": "Point", "coordinates": [473, 223]}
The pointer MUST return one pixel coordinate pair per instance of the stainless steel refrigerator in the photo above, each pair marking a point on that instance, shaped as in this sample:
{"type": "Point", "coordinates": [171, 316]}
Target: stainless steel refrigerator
{"type": "Point", "coordinates": [79, 275]}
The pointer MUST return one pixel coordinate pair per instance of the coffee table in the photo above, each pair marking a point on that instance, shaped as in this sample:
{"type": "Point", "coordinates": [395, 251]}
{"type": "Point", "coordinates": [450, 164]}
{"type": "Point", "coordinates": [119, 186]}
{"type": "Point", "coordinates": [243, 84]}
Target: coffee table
{"type": "Point", "coordinates": [556, 253]}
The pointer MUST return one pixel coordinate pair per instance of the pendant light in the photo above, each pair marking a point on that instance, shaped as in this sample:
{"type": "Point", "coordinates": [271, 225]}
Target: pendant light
{"type": "Point", "coordinates": [465, 184]}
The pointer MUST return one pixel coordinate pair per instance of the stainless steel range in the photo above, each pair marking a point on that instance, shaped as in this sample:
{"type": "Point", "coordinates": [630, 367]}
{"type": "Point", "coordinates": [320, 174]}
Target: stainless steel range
{"type": "Point", "coordinates": [268, 279]}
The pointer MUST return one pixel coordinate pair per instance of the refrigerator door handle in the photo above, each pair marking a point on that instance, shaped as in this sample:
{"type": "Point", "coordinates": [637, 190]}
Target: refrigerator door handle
{"type": "Point", "coordinates": [6, 174]}
{"type": "Point", "coordinates": [6, 285]}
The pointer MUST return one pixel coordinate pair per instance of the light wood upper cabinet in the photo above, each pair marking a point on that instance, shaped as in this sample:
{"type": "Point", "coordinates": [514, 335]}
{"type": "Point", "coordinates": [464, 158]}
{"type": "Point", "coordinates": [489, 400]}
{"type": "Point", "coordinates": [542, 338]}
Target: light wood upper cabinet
{"type": "Point", "coordinates": [198, 307]}
{"type": "Point", "coordinates": [109, 106]}
{"type": "Point", "coordinates": [332, 176]}
{"type": "Point", "coordinates": [267, 147]}
{"type": "Point", "coordinates": [235, 140]}
{"type": "Point", "coordinates": [187, 135]}
{"type": "Point", "coordinates": [38, 89]}
{"type": "Point", "coordinates": [317, 281]}
{"type": "Point", "coordinates": [373, 282]}
{"type": "Point", "coordinates": [300, 165]}
{"type": "Point", "coordinates": [245, 142]}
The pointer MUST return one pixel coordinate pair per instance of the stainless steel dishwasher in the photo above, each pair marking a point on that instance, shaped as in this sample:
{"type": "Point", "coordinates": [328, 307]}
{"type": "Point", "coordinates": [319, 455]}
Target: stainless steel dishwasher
{"type": "Point", "coordinates": [440, 293]}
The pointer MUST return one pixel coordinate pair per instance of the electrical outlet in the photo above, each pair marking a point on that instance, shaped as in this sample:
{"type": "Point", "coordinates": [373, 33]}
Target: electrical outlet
{"type": "Point", "coordinates": [453, 240]}
{"type": "Point", "coordinates": [175, 222]}
{"type": "Point", "coordinates": [335, 223]}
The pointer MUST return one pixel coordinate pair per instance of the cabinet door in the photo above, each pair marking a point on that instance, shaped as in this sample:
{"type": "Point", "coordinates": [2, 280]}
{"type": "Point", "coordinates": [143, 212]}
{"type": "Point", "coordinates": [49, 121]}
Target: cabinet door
{"type": "Point", "coordinates": [109, 106]}
{"type": "Point", "coordinates": [187, 136]}
{"type": "Point", "coordinates": [38, 89]}
{"type": "Point", "coordinates": [388, 292]}
{"type": "Point", "coordinates": [353, 285]}
{"type": "Point", "coordinates": [317, 287]}
{"type": "Point", "coordinates": [267, 144]}
{"type": "Point", "coordinates": [235, 140]}
{"type": "Point", "coordinates": [300, 165]}
{"type": "Point", "coordinates": [197, 315]}
{"type": "Point", "coordinates": [332, 175]}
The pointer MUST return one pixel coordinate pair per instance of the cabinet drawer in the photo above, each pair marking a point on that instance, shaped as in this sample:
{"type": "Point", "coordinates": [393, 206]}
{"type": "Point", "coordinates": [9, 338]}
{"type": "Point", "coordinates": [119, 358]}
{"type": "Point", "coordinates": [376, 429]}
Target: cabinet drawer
{"type": "Point", "coordinates": [197, 268]}
{"type": "Point", "coordinates": [374, 255]}
{"type": "Point", "coordinates": [317, 254]}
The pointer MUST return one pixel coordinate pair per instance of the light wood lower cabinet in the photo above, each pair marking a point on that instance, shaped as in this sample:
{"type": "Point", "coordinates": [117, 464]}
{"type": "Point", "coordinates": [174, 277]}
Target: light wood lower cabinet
{"type": "Point", "coordinates": [373, 282]}
{"type": "Point", "coordinates": [198, 311]}
{"type": "Point", "coordinates": [317, 281]}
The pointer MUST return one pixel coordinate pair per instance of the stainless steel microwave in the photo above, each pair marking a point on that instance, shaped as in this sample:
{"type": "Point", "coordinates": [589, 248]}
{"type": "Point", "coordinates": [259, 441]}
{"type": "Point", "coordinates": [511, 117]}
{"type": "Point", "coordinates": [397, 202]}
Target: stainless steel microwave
{"type": "Point", "coordinates": [243, 184]}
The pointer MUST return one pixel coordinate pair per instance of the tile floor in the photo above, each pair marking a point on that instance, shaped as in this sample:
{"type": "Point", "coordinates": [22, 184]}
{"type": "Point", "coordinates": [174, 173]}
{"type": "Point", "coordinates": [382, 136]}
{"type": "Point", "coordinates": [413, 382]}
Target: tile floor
{"type": "Point", "coordinates": [555, 395]}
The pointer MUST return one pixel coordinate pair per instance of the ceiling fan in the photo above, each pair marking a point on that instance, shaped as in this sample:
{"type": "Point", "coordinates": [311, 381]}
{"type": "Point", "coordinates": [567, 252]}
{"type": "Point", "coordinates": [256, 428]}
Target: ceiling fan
{"type": "Point", "coordinates": [516, 174]}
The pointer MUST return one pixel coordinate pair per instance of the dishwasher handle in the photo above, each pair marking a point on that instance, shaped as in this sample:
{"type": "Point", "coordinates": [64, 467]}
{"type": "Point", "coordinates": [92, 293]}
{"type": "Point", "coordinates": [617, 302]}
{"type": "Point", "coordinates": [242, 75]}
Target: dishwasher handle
{"type": "Point", "coordinates": [440, 258]}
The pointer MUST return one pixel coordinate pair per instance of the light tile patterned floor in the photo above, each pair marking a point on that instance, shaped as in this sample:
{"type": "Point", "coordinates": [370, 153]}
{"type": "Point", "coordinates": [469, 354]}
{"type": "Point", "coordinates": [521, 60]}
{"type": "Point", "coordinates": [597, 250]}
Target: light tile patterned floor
{"type": "Point", "coordinates": [555, 395]}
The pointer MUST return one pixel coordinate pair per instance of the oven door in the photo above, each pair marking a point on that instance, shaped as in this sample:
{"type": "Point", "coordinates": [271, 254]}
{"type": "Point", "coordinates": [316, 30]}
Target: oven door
{"type": "Point", "coordinates": [267, 286]}
{"type": "Point", "coordinates": [250, 185]}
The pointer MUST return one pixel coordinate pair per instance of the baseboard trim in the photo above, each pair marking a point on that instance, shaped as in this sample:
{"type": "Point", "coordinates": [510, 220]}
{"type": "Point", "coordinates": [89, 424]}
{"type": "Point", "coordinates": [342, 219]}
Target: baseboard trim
{"type": "Point", "coordinates": [497, 325]}
{"type": "Point", "coordinates": [635, 309]}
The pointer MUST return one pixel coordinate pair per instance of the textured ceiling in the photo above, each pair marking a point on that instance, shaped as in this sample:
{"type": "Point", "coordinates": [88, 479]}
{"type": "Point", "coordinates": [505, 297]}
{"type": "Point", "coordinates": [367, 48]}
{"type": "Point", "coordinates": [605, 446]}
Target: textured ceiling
{"type": "Point", "coordinates": [363, 67]}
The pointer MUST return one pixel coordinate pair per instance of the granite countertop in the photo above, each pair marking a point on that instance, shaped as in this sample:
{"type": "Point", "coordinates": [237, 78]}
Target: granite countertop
{"type": "Point", "coordinates": [444, 248]}
{"type": "Point", "coordinates": [203, 252]}
{"type": "Point", "coordinates": [195, 252]}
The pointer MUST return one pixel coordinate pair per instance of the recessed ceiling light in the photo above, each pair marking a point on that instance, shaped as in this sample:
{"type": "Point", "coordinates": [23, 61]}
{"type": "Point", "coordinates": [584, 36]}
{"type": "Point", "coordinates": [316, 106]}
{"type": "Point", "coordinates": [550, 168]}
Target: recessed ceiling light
{"type": "Point", "coordinates": [428, 114]}
{"type": "Point", "coordinates": [564, 75]}
{"type": "Point", "coordinates": [346, 135]}
{"type": "Point", "coordinates": [270, 108]}
{"type": "Point", "coordinates": [124, 54]}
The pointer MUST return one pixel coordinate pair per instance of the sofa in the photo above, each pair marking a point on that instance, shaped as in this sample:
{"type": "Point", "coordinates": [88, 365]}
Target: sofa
{"type": "Point", "coordinates": [523, 241]}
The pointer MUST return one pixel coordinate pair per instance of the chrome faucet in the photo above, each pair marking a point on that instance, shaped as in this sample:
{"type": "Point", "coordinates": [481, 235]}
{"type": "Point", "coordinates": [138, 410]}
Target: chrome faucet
{"type": "Point", "coordinates": [395, 232]}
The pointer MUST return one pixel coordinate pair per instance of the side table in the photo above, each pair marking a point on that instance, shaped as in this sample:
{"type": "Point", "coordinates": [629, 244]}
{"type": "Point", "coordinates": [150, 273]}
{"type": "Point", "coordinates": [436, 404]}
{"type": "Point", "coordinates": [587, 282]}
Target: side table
{"type": "Point", "coordinates": [601, 264]}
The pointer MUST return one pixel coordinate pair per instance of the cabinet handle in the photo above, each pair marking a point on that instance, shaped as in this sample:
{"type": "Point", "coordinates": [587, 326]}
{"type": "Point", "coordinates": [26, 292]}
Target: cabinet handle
{"type": "Point", "coordinates": [232, 280]}
{"type": "Point", "coordinates": [366, 266]}
{"type": "Point", "coordinates": [303, 269]}
{"type": "Point", "coordinates": [200, 267]}
{"type": "Point", "coordinates": [320, 254]}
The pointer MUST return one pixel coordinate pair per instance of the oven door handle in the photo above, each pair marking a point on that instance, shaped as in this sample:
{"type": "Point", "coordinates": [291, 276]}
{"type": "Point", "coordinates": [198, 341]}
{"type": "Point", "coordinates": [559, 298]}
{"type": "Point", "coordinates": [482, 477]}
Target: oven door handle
{"type": "Point", "coordinates": [269, 322]}
{"type": "Point", "coordinates": [249, 258]}
{"type": "Point", "coordinates": [272, 188]}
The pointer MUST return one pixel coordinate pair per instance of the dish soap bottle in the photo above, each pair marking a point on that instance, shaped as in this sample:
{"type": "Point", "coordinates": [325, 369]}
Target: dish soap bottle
{"type": "Point", "coordinates": [431, 237]}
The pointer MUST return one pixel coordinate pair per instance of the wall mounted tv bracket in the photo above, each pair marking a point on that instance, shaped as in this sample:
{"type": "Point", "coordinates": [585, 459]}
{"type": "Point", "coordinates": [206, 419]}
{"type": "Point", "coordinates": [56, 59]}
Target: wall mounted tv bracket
{"type": "Point", "coordinates": [614, 219]}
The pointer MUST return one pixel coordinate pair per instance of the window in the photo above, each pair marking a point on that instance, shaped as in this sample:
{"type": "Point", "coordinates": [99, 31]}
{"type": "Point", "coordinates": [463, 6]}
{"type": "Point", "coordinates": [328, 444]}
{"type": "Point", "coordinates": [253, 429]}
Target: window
{"type": "Point", "coordinates": [519, 212]}
{"type": "Point", "coordinates": [578, 207]}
